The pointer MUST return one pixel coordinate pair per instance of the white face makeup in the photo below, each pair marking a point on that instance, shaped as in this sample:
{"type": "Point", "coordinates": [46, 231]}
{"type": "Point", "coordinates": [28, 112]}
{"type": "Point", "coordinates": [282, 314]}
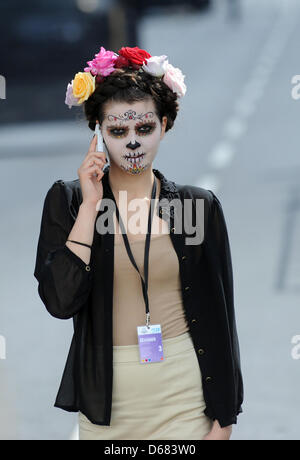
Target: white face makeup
{"type": "Point", "coordinates": [132, 133]}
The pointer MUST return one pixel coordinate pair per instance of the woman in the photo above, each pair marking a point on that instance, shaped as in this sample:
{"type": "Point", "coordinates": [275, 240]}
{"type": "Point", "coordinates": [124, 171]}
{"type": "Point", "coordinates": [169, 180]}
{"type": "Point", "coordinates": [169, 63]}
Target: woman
{"type": "Point", "coordinates": [176, 376]}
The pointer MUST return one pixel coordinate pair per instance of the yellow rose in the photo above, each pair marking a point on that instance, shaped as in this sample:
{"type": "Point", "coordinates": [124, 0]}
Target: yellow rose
{"type": "Point", "coordinates": [83, 86]}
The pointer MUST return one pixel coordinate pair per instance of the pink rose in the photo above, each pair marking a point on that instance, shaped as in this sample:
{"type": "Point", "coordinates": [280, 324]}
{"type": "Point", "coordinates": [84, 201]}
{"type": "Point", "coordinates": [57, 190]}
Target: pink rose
{"type": "Point", "coordinates": [174, 79]}
{"type": "Point", "coordinates": [103, 63]}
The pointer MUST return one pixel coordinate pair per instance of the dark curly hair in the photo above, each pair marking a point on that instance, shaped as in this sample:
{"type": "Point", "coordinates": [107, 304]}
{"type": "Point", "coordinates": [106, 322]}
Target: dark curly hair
{"type": "Point", "coordinates": [131, 85]}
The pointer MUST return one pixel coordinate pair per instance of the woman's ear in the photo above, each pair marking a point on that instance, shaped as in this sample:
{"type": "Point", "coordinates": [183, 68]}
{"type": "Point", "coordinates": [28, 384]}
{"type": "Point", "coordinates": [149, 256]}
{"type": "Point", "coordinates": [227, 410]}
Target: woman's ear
{"type": "Point", "coordinates": [163, 126]}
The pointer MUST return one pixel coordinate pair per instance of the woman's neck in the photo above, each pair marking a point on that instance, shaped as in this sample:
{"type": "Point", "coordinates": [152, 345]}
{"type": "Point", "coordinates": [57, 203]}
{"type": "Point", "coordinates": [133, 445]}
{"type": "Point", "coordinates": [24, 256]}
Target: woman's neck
{"type": "Point", "coordinates": [136, 186]}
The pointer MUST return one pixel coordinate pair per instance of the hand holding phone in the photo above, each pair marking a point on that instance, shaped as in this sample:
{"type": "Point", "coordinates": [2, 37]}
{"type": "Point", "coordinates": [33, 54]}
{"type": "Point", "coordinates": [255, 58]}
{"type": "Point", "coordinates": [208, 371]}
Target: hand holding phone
{"type": "Point", "coordinates": [91, 171]}
{"type": "Point", "coordinates": [100, 144]}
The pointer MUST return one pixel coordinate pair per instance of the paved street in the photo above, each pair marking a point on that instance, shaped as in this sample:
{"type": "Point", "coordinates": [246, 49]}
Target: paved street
{"type": "Point", "coordinates": [235, 134]}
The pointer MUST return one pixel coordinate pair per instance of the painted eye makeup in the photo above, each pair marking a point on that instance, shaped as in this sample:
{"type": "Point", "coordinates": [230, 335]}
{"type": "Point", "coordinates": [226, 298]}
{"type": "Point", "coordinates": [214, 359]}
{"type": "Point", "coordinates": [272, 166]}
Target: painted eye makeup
{"type": "Point", "coordinates": [145, 128]}
{"type": "Point", "coordinates": [142, 129]}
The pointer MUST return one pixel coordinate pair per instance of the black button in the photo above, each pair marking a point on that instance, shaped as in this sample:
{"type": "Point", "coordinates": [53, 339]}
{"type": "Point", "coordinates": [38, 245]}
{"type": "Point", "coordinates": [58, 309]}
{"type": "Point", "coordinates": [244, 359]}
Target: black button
{"type": "Point", "coordinates": [187, 288]}
{"type": "Point", "coordinates": [88, 268]}
{"type": "Point", "coordinates": [201, 351]}
{"type": "Point", "coordinates": [183, 257]}
{"type": "Point", "coordinates": [107, 250]}
{"type": "Point", "coordinates": [173, 229]}
{"type": "Point", "coordinates": [208, 379]}
{"type": "Point", "coordinates": [194, 320]}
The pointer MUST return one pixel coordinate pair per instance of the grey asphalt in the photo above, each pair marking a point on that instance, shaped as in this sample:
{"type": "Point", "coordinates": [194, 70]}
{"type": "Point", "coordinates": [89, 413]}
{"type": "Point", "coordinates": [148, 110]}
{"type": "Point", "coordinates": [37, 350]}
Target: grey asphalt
{"type": "Point", "coordinates": [237, 131]}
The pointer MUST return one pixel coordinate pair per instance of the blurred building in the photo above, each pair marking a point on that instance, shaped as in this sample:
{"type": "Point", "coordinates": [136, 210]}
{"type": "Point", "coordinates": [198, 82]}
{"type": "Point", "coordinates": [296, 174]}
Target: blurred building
{"type": "Point", "coordinates": [44, 43]}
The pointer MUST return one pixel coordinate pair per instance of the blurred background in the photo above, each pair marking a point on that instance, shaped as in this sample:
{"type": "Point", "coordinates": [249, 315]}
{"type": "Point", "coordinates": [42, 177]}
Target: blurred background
{"type": "Point", "coordinates": [235, 134]}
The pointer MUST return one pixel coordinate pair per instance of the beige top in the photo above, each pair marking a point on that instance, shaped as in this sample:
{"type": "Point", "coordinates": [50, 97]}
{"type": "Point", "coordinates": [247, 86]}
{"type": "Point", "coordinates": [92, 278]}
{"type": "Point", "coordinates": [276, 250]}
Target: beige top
{"type": "Point", "coordinates": [164, 290]}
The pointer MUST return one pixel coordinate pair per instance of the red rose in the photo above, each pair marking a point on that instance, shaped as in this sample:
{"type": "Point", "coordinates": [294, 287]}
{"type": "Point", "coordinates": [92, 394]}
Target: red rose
{"type": "Point", "coordinates": [121, 62]}
{"type": "Point", "coordinates": [135, 55]}
{"type": "Point", "coordinates": [99, 79]}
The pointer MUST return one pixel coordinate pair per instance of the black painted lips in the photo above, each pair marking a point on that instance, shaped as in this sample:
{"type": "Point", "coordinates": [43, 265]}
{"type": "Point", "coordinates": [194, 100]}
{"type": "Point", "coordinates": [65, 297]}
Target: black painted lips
{"type": "Point", "coordinates": [138, 156]}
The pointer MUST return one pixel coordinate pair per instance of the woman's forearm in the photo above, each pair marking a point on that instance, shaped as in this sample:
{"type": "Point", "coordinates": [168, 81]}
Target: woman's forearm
{"type": "Point", "coordinates": [83, 231]}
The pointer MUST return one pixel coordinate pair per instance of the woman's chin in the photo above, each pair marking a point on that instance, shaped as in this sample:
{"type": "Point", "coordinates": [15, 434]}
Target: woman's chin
{"type": "Point", "coordinates": [134, 170]}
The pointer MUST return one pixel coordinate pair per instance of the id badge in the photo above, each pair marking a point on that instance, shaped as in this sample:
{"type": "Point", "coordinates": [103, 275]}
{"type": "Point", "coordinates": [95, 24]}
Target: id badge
{"type": "Point", "coordinates": [150, 344]}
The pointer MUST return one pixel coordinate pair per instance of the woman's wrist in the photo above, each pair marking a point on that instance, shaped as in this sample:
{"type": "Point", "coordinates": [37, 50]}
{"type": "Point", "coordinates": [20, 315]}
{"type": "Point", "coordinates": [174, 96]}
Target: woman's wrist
{"type": "Point", "coordinates": [89, 207]}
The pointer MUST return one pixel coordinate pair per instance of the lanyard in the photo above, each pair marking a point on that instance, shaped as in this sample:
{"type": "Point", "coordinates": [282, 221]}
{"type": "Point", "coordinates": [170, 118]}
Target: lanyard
{"type": "Point", "coordinates": [146, 254]}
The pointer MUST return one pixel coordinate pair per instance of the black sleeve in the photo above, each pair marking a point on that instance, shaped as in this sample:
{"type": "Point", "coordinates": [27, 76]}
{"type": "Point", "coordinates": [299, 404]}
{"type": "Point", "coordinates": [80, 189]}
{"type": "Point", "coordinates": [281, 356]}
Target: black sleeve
{"type": "Point", "coordinates": [64, 281]}
{"type": "Point", "coordinates": [220, 238]}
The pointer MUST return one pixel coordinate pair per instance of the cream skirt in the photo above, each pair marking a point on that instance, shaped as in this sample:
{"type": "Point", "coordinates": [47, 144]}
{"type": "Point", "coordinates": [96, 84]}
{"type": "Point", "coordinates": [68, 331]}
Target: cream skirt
{"type": "Point", "coordinates": [157, 401]}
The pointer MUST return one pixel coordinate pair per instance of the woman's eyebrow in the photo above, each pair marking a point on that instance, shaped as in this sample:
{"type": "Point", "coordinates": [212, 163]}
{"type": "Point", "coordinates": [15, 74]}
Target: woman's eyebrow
{"type": "Point", "coordinates": [117, 123]}
{"type": "Point", "coordinates": [124, 125]}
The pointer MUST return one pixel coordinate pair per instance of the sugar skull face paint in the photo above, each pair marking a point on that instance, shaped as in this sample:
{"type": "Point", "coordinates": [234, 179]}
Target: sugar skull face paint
{"type": "Point", "coordinates": [132, 133]}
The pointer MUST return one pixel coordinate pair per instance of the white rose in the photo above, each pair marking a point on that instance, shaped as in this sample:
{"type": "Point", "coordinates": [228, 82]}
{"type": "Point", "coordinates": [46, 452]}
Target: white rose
{"type": "Point", "coordinates": [156, 65]}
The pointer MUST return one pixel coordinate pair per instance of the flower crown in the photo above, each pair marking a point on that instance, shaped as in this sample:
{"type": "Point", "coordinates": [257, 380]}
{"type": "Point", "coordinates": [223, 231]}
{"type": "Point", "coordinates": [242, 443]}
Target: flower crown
{"type": "Point", "coordinates": [105, 62]}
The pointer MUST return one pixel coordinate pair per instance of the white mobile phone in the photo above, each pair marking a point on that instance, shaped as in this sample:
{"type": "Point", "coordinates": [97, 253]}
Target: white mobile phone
{"type": "Point", "coordinates": [100, 144]}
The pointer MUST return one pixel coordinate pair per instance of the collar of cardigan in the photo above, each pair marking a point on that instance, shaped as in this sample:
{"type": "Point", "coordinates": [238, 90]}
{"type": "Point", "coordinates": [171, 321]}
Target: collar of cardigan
{"type": "Point", "coordinates": [168, 191]}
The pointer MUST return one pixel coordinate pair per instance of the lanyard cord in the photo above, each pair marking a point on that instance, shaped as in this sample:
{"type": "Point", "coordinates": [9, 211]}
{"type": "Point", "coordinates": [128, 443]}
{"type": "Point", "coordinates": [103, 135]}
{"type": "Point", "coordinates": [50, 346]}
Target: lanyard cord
{"type": "Point", "coordinates": [146, 253]}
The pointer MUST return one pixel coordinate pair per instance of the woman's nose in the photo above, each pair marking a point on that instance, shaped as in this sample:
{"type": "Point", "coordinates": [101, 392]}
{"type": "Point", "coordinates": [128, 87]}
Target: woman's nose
{"type": "Point", "coordinates": [133, 146]}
